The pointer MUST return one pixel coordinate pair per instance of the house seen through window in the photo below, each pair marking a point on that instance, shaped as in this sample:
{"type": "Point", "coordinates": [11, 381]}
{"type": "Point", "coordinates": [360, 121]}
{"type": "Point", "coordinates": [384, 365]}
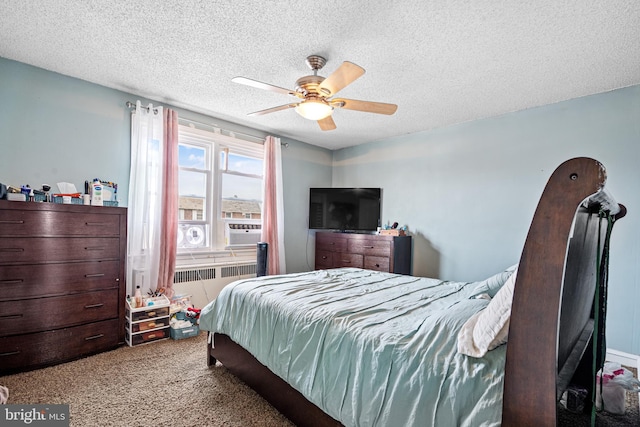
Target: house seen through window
{"type": "Point", "coordinates": [220, 189]}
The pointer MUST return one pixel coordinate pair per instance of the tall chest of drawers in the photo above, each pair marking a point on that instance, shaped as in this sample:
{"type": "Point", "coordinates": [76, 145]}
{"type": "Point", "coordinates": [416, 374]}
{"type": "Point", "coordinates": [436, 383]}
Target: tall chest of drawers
{"type": "Point", "coordinates": [369, 251]}
{"type": "Point", "coordinates": [62, 282]}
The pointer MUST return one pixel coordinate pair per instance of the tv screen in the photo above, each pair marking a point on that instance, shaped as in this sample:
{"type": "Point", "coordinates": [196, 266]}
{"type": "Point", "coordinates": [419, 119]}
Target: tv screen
{"type": "Point", "coordinates": [344, 209]}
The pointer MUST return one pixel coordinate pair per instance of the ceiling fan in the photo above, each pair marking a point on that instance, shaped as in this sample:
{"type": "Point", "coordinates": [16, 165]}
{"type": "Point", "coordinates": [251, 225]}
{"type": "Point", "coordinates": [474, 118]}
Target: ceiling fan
{"type": "Point", "coordinates": [316, 93]}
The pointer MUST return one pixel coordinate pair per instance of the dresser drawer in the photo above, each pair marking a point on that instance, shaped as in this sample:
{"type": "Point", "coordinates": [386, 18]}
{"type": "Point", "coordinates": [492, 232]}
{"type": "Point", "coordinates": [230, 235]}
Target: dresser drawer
{"type": "Point", "coordinates": [28, 281]}
{"type": "Point", "coordinates": [43, 348]}
{"type": "Point", "coordinates": [324, 259]}
{"type": "Point", "coordinates": [378, 263]}
{"type": "Point", "coordinates": [52, 223]}
{"type": "Point", "coordinates": [331, 242]}
{"type": "Point", "coordinates": [42, 249]}
{"type": "Point", "coordinates": [39, 314]}
{"type": "Point", "coordinates": [348, 260]}
{"type": "Point", "coordinates": [375, 246]}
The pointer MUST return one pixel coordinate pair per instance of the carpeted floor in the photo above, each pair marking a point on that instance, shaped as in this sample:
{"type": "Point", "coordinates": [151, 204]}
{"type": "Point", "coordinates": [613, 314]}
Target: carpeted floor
{"type": "Point", "coordinates": [158, 384]}
{"type": "Point", "coordinates": [162, 384]}
{"type": "Point", "coordinates": [604, 419]}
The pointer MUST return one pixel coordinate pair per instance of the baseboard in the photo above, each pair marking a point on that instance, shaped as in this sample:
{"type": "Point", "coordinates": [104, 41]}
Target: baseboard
{"type": "Point", "coordinates": [625, 359]}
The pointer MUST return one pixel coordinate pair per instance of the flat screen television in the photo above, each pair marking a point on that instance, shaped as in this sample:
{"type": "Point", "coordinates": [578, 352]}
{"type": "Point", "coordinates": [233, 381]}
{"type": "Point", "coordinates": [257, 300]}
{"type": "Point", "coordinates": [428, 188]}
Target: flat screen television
{"type": "Point", "coordinates": [344, 209]}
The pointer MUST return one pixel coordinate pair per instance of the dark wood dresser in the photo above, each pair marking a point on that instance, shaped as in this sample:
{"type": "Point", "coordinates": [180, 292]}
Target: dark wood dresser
{"type": "Point", "coordinates": [369, 251]}
{"type": "Point", "coordinates": [62, 282]}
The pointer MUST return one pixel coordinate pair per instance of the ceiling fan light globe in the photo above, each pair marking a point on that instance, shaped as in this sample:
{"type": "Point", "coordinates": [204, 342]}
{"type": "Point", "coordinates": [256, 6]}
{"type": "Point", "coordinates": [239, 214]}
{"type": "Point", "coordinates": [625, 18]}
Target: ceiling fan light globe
{"type": "Point", "coordinates": [314, 110]}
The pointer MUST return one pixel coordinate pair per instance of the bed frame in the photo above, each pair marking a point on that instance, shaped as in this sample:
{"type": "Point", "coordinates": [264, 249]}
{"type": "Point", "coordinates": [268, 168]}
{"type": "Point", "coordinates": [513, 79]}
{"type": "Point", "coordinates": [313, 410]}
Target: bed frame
{"type": "Point", "coordinates": [552, 319]}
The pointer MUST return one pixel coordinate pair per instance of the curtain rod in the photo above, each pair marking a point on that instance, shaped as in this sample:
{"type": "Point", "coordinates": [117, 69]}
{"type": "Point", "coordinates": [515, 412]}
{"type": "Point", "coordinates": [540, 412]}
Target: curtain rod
{"type": "Point", "coordinates": [230, 132]}
{"type": "Point", "coordinates": [132, 105]}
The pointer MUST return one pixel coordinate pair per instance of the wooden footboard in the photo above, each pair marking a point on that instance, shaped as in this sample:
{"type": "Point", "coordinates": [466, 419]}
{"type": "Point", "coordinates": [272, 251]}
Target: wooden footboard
{"type": "Point", "coordinates": [276, 391]}
{"type": "Point", "coordinates": [551, 314]}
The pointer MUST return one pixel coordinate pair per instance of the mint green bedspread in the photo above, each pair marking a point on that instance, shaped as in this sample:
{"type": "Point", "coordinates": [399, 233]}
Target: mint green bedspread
{"type": "Point", "coordinates": [368, 348]}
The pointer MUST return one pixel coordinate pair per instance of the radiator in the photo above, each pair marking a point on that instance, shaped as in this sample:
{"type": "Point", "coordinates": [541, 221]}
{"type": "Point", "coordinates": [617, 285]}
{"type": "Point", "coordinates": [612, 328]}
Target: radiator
{"type": "Point", "coordinates": [204, 283]}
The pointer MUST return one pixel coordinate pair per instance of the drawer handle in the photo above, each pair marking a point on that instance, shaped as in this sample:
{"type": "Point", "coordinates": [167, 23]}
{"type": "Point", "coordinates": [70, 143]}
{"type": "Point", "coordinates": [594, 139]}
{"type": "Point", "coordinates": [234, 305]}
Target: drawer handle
{"type": "Point", "coordinates": [324, 257]}
{"type": "Point", "coordinates": [11, 282]}
{"type": "Point", "coordinates": [12, 250]}
{"type": "Point", "coordinates": [94, 275]}
{"type": "Point", "coordinates": [94, 337]}
{"type": "Point", "coordinates": [11, 316]}
{"type": "Point", "coordinates": [8, 221]}
{"type": "Point", "coordinates": [94, 224]}
{"type": "Point", "coordinates": [94, 248]}
{"type": "Point", "coordinates": [369, 247]}
{"type": "Point", "coordinates": [11, 353]}
{"type": "Point", "coordinates": [346, 261]}
{"type": "Point", "coordinates": [332, 243]}
{"type": "Point", "coordinates": [378, 265]}
{"type": "Point", "coordinates": [94, 305]}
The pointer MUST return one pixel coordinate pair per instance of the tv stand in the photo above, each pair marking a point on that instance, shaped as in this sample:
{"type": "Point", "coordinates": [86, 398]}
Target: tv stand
{"type": "Point", "coordinates": [369, 251]}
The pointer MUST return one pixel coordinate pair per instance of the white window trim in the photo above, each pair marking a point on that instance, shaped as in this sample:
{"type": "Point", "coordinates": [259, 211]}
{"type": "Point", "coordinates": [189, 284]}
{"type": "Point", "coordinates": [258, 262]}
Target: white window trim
{"type": "Point", "coordinates": [218, 141]}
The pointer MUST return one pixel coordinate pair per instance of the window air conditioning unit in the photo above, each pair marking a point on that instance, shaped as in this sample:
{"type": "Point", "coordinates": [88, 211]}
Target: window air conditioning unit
{"type": "Point", "coordinates": [242, 233]}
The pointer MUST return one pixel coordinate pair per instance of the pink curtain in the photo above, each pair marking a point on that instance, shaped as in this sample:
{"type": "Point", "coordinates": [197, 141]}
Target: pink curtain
{"type": "Point", "coordinates": [270, 229]}
{"type": "Point", "coordinates": [169, 216]}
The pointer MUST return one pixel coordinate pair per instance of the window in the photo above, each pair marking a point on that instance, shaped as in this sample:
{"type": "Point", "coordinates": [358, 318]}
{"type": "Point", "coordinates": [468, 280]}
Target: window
{"type": "Point", "coordinates": [212, 193]}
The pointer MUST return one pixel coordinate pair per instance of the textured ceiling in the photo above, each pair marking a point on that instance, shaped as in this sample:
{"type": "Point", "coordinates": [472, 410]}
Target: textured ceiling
{"type": "Point", "coordinates": [442, 62]}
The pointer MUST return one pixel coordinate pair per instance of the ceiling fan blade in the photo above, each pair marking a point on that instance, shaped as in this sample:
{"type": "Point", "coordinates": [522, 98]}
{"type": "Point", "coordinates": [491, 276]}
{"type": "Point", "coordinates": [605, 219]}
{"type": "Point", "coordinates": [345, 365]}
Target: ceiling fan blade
{"type": "Point", "coordinates": [327, 123]}
{"type": "Point", "coordinates": [265, 86]}
{"type": "Point", "coordinates": [343, 76]}
{"type": "Point", "coordinates": [272, 110]}
{"type": "Point", "coordinates": [366, 106]}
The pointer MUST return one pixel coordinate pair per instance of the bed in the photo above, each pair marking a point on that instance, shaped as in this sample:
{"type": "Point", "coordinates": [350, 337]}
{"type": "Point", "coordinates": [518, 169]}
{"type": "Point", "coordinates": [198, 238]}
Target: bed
{"type": "Point", "coordinates": [364, 348]}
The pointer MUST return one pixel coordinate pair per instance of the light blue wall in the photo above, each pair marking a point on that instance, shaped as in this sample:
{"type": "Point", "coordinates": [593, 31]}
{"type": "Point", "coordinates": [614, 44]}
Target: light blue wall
{"type": "Point", "coordinates": [55, 128]}
{"type": "Point", "coordinates": [58, 129]}
{"type": "Point", "coordinates": [468, 192]}
{"type": "Point", "coordinates": [306, 166]}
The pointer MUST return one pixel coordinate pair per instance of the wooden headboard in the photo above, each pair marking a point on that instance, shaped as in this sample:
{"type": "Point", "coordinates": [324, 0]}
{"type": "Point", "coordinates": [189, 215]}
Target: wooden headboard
{"type": "Point", "coordinates": [554, 291]}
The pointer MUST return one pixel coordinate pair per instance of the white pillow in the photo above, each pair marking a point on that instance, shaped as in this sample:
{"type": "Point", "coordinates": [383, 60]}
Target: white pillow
{"type": "Point", "coordinates": [488, 328]}
{"type": "Point", "coordinates": [492, 284]}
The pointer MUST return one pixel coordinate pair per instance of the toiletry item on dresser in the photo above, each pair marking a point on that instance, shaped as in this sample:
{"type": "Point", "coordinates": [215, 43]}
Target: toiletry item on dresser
{"type": "Point", "coordinates": [138, 297]}
{"type": "Point", "coordinates": [96, 193]}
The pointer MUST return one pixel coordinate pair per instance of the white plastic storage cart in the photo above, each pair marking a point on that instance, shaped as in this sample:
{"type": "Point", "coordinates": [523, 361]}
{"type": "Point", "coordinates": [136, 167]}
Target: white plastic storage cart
{"type": "Point", "coordinates": [149, 323]}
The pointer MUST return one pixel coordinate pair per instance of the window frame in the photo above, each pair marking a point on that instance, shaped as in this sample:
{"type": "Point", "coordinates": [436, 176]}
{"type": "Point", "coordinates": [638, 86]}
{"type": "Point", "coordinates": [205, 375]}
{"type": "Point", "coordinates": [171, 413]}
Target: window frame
{"type": "Point", "coordinates": [216, 143]}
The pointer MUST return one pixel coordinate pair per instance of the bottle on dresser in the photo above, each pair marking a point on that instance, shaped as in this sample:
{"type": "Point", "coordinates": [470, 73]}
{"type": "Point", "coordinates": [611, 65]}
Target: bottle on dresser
{"type": "Point", "coordinates": [137, 297]}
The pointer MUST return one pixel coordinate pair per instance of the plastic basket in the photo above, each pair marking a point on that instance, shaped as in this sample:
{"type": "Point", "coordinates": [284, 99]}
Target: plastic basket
{"type": "Point", "coordinates": [74, 200]}
{"type": "Point", "coordinates": [182, 333]}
